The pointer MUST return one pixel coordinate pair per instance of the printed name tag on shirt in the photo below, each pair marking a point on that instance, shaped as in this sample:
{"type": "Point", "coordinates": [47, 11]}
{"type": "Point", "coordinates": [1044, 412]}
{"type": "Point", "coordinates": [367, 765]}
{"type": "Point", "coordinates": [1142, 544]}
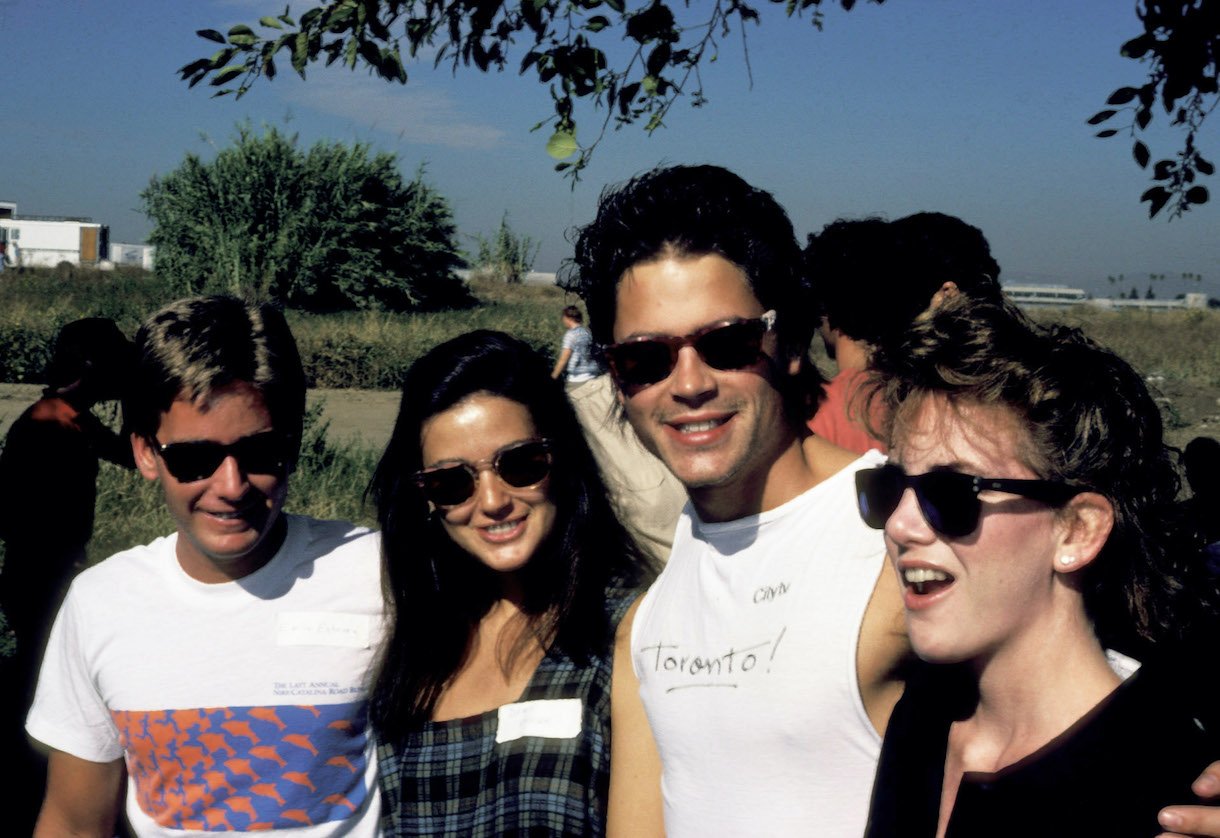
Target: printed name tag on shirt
{"type": "Point", "coordinates": [322, 628]}
{"type": "Point", "coordinates": [557, 718]}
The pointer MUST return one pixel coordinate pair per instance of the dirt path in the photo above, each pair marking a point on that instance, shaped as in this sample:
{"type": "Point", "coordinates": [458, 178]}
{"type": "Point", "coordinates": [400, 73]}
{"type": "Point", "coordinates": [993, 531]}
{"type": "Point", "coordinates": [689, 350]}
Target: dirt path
{"type": "Point", "coordinates": [365, 417]}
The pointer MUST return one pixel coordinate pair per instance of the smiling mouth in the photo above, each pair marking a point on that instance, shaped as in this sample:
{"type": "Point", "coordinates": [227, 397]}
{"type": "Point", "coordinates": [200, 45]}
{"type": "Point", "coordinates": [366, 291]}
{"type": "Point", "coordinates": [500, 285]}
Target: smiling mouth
{"type": "Point", "coordinates": [699, 427]}
{"type": "Point", "coordinates": [506, 526]}
{"type": "Point", "coordinates": [926, 580]}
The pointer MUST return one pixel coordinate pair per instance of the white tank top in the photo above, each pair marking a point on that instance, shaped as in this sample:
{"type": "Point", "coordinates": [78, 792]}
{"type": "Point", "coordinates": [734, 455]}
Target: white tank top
{"type": "Point", "coordinates": [746, 653]}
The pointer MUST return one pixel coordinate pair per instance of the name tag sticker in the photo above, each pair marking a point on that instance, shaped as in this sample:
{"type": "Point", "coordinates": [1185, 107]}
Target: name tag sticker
{"type": "Point", "coordinates": [322, 628]}
{"type": "Point", "coordinates": [557, 718]}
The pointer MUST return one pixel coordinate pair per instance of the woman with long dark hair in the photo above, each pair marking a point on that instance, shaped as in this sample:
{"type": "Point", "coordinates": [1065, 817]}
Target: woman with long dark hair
{"type": "Point", "coordinates": [1028, 508]}
{"type": "Point", "coordinates": [505, 701]}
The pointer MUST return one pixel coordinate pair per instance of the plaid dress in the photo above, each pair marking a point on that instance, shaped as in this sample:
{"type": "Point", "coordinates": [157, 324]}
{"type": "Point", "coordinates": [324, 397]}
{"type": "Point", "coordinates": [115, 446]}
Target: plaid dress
{"type": "Point", "coordinates": [455, 778]}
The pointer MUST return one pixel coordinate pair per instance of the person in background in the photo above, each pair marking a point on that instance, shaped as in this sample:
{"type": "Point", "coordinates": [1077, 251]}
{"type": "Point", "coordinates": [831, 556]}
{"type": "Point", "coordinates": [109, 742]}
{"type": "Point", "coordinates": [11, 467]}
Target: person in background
{"type": "Point", "coordinates": [48, 487]}
{"type": "Point", "coordinates": [578, 361]}
{"type": "Point", "coordinates": [872, 279]}
{"type": "Point", "coordinates": [1201, 462]}
{"type": "Point", "coordinates": [504, 702]}
{"type": "Point", "coordinates": [223, 669]}
{"type": "Point", "coordinates": [1029, 514]}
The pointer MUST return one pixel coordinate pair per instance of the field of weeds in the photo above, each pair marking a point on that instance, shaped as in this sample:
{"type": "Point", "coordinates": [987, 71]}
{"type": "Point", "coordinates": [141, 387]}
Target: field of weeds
{"type": "Point", "coordinates": [1178, 352]}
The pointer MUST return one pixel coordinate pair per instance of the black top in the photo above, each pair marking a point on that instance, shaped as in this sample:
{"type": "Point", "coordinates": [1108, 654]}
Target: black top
{"type": "Point", "coordinates": [1109, 774]}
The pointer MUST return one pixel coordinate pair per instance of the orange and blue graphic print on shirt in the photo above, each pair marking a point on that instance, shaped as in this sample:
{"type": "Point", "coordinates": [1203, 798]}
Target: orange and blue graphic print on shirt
{"type": "Point", "coordinates": [247, 768]}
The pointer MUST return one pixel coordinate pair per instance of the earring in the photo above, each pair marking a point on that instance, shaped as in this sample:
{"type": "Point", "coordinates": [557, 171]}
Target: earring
{"type": "Point", "coordinates": [1067, 561]}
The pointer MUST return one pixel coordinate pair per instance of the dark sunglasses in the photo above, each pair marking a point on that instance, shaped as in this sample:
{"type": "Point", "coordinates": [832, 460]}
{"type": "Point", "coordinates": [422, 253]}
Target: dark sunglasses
{"type": "Point", "coordinates": [261, 453]}
{"type": "Point", "coordinates": [948, 500]}
{"type": "Point", "coordinates": [520, 465]}
{"type": "Point", "coordinates": [727, 345]}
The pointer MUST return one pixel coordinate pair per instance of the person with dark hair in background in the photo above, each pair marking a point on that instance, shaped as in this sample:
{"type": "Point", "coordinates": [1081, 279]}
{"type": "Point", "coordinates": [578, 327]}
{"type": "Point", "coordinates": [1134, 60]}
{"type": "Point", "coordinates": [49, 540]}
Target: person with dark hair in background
{"type": "Point", "coordinates": [48, 486]}
{"type": "Point", "coordinates": [578, 361]}
{"type": "Point", "coordinates": [871, 279]}
{"type": "Point", "coordinates": [504, 702]}
{"type": "Point", "coordinates": [1029, 514]}
{"type": "Point", "coordinates": [223, 669]}
{"type": "Point", "coordinates": [1201, 462]}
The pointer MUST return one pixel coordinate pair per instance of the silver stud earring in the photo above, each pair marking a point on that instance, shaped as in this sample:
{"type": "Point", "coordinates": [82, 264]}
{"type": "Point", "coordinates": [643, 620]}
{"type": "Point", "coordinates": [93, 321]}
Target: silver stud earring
{"type": "Point", "coordinates": [1067, 561]}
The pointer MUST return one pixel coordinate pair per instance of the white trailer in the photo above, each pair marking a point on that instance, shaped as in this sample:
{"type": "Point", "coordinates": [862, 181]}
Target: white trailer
{"type": "Point", "coordinates": [45, 242]}
{"type": "Point", "coordinates": [132, 255]}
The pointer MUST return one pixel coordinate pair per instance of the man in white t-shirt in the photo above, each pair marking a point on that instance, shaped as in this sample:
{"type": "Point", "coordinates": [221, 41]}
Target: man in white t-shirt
{"type": "Point", "coordinates": [222, 669]}
{"type": "Point", "coordinates": [768, 651]}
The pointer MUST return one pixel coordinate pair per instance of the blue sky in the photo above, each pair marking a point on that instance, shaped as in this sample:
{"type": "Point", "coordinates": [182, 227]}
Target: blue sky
{"type": "Point", "coordinates": [972, 108]}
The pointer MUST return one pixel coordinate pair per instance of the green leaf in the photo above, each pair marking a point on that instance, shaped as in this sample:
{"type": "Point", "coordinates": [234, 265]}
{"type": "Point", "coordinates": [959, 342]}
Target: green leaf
{"type": "Point", "coordinates": [1156, 197]}
{"type": "Point", "coordinates": [1197, 195]}
{"type": "Point", "coordinates": [227, 75]}
{"type": "Point", "coordinates": [616, 5]}
{"type": "Point", "coordinates": [270, 22]}
{"type": "Point", "coordinates": [211, 35]}
{"type": "Point", "coordinates": [597, 23]}
{"type": "Point", "coordinates": [300, 53]}
{"type": "Point", "coordinates": [561, 145]}
{"type": "Point", "coordinates": [240, 29]}
{"type": "Point", "coordinates": [649, 83]}
{"type": "Point", "coordinates": [1140, 152]}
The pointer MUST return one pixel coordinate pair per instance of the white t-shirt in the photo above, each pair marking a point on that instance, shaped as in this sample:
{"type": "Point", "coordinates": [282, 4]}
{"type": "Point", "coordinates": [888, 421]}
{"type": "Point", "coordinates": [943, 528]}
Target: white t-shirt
{"type": "Point", "coordinates": [238, 706]}
{"type": "Point", "coordinates": [745, 648]}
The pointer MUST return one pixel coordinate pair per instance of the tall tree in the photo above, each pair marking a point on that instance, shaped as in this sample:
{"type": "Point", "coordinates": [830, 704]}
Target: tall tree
{"type": "Point", "coordinates": [331, 228]}
{"type": "Point", "coordinates": [569, 43]}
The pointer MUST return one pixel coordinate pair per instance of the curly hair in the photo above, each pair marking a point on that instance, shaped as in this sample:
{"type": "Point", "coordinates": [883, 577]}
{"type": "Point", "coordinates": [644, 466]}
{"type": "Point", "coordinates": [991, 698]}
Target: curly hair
{"type": "Point", "coordinates": [435, 591]}
{"type": "Point", "coordinates": [1090, 421]}
{"type": "Point", "coordinates": [871, 278]}
{"type": "Point", "coordinates": [691, 211]}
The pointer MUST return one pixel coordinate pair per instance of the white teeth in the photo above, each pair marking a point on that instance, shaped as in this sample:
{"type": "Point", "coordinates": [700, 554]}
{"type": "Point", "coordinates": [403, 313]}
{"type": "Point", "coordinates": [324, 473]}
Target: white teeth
{"type": "Point", "coordinates": [504, 527]}
{"type": "Point", "coordinates": [919, 575]}
{"type": "Point", "coordinates": [699, 427]}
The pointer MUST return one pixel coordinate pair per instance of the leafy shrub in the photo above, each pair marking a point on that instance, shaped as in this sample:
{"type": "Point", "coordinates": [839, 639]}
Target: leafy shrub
{"type": "Point", "coordinates": [330, 229]}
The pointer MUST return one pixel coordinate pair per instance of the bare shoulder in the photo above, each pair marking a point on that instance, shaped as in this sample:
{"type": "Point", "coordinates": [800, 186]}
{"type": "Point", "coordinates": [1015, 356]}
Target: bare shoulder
{"type": "Point", "coordinates": [883, 650]}
{"type": "Point", "coordinates": [622, 635]}
{"type": "Point", "coordinates": [826, 459]}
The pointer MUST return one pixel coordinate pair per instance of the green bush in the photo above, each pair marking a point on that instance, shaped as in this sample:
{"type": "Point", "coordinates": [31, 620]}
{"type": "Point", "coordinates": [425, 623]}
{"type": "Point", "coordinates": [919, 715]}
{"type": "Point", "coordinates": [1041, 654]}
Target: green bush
{"type": "Point", "coordinates": [329, 229]}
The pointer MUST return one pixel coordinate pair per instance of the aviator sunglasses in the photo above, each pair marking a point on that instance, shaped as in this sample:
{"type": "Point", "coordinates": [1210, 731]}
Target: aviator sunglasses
{"type": "Point", "coordinates": [727, 345]}
{"type": "Point", "coordinates": [261, 453]}
{"type": "Point", "coordinates": [520, 465]}
{"type": "Point", "coordinates": [948, 500]}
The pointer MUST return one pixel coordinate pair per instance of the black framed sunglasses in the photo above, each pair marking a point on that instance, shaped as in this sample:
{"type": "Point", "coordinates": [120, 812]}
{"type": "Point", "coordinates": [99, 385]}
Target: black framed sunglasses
{"type": "Point", "coordinates": [948, 500]}
{"type": "Point", "coordinates": [520, 465]}
{"type": "Point", "coordinates": [727, 345]}
{"type": "Point", "coordinates": [261, 453]}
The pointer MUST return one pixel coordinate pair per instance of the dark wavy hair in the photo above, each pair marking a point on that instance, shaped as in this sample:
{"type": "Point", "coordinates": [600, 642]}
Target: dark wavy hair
{"type": "Point", "coordinates": [696, 211]}
{"type": "Point", "coordinates": [1089, 420]}
{"type": "Point", "coordinates": [436, 593]}
{"type": "Point", "coordinates": [855, 264]}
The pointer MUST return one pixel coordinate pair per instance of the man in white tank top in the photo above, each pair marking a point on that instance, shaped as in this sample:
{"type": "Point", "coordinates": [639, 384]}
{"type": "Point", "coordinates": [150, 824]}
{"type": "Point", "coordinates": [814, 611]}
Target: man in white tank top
{"type": "Point", "coordinates": [768, 650]}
